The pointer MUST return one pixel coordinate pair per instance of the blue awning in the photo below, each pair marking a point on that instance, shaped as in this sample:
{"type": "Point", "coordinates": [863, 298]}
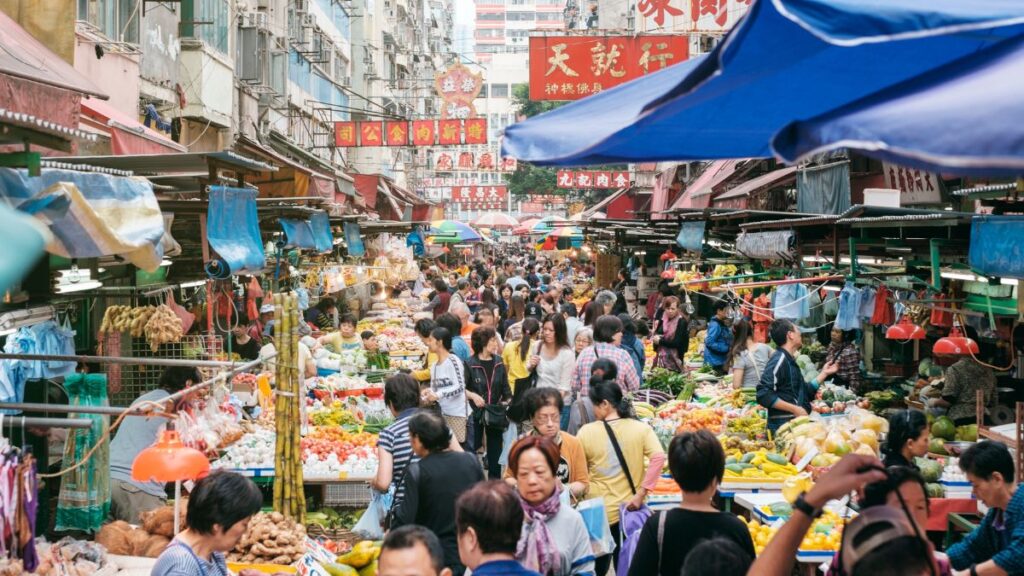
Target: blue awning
{"type": "Point", "coordinates": [964, 118]}
{"type": "Point", "coordinates": [786, 61]}
{"type": "Point", "coordinates": [314, 234]}
{"type": "Point", "coordinates": [91, 214]}
{"type": "Point", "coordinates": [233, 230]}
{"type": "Point", "coordinates": [997, 246]}
{"type": "Point", "coordinates": [23, 239]}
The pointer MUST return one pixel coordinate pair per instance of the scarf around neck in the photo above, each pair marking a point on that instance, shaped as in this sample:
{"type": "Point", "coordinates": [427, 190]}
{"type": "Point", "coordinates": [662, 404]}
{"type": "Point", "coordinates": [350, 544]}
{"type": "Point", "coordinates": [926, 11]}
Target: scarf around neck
{"type": "Point", "coordinates": [669, 327]}
{"type": "Point", "coordinates": [538, 551]}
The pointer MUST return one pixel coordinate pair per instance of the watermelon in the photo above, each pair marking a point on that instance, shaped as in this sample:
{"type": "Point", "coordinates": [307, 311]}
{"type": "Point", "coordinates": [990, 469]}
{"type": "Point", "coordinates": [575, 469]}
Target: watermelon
{"type": "Point", "coordinates": [944, 428]}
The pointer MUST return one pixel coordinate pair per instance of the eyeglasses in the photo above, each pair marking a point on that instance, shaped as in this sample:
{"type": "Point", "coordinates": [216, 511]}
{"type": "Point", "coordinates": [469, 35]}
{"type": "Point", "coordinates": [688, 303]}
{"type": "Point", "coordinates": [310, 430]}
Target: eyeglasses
{"type": "Point", "coordinates": [553, 419]}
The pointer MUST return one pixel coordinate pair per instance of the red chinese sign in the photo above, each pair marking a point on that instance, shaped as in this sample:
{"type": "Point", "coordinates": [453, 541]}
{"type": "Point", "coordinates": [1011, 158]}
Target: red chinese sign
{"type": "Point", "coordinates": [479, 197]}
{"type": "Point", "coordinates": [602, 179]}
{"type": "Point", "coordinates": [574, 67]}
{"type": "Point", "coordinates": [398, 132]}
{"type": "Point", "coordinates": [452, 160]}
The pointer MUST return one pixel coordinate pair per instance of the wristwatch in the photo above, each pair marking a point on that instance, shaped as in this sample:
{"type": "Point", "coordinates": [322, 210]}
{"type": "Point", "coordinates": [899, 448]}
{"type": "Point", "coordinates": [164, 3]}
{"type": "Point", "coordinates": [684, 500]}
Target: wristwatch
{"type": "Point", "coordinates": [974, 570]}
{"type": "Point", "coordinates": [802, 505]}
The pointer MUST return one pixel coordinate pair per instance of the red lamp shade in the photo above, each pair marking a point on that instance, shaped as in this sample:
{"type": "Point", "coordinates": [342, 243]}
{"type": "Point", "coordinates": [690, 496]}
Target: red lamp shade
{"type": "Point", "coordinates": [905, 330]}
{"type": "Point", "coordinates": [956, 344]}
{"type": "Point", "coordinates": [168, 460]}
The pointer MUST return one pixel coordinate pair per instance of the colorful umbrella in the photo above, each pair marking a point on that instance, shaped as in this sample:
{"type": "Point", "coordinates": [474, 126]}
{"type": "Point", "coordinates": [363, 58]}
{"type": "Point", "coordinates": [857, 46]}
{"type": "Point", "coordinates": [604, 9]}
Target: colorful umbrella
{"type": "Point", "coordinates": [547, 223]}
{"type": "Point", "coordinates": [452, 231]}
{"type": "Point", "coordinates": [566, 232]}
{"type": "Point", "coordinates": [496, 220]}
{"type": "Point", "coordinates": [526, 226]}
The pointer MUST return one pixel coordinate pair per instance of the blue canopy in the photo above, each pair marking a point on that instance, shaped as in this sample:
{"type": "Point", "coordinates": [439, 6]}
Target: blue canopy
{"type": "Point", "coordinates": [23, 239]}
{"type": "Point", "coordinates": [966, 117]}
{"type": "Point", "coordinates": [233, 230]}
{"type": "Point", "coordinates": [314, 234]}
{"type": "Point", "coordinates": [786, 61]}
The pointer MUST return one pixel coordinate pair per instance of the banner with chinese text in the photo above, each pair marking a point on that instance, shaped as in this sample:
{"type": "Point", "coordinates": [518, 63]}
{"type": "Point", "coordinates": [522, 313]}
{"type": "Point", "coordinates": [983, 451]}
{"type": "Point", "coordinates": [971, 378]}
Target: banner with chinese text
{"type": "Point", "coordinates": [574, 67]}
{"type": "Point", "coordinates": [593, 179]}
{"type": "Point", "coordinates": [685, 16]}
{"type": "Point", "coordinates": [915, 186]}
{"type": "Point", "coordinates": [479, 197]}
{"type": "Point", "coordinates": [458, 161]}
{"type": "Point", "coordinates": [410, 133]}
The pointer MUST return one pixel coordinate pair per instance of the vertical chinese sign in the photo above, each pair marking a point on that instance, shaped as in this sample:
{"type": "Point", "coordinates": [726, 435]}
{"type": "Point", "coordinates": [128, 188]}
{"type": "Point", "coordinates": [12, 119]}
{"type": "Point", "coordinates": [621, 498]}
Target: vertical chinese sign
{"type": "Point", "coordinates": [574, 67]}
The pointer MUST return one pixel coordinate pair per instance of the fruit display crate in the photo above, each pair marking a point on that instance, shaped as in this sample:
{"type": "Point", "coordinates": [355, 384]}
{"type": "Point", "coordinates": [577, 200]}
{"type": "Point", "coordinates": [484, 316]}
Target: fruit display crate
{"type": "Point", "coordinates": [347, 493]}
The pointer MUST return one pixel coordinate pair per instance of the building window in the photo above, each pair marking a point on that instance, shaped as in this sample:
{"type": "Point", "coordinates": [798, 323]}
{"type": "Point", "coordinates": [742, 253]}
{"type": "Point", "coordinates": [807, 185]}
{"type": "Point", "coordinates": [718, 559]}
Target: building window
{"type": "Point", "coordinates": [497, 16]}
{"type": "Point", "coordinates": [117, 19]}
{"type": "Point", "coordinates": [521, 16]}
{"type": "Point", "coordinates": [483, 91]}
{"type": "Point", "coordinates": [499, 90]}
{"type": "Point", "coordinates": [214, 34]}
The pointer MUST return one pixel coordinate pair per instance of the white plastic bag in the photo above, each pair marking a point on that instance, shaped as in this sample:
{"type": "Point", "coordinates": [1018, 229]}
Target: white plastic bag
{"type": "Point", "coordinates": [371, 524]}
{"type": "Point", "coordinates": [596, 521]}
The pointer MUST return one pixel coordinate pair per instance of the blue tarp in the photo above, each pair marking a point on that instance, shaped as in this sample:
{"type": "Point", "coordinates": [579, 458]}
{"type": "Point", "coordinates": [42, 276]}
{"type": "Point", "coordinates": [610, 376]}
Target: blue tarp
{"type": "Point", "coordinates": [997, 246]}
{"type": "Point", "coordinates": [314, 234]}
{"type": "Point", "coordinates": [233, 231]}
{"type": "Point", "coordinates": [967, 118]}
{"type": "Point", "coordinates": [354, 239]}
{"type": "Point", "coordinates": [691, 236]}
{"type": "Point", "coordinates": [90, 214]}
{"type": "Point", "coordinates": [23, 240]}
{"type": "Point", "coordinates": [786, 61]}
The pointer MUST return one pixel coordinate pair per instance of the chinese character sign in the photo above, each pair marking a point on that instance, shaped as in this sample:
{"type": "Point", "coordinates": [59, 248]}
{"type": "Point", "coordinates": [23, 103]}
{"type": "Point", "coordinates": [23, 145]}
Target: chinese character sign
{"type": "Point", "coordinates": [915, 186]}
{"type": "Point", "coordinates": [479, 197]}
{"type": "Point", "coordinates": [467, 160]}
{"type": "Point", "coordinates": [458, 86]}
{"type": "Point", "coordinates": [400, 132]}
{"type": "Point", "coordinates": [590, 179]}
{"type": "Point", "coordinates": [574, 67]}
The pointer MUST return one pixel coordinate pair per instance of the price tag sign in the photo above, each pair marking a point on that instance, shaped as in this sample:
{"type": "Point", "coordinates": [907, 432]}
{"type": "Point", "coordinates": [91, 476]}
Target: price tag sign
{"type": "Point", "coordinates": [342, 475]}
{"type": "Point", "coordinates": [806, 459]}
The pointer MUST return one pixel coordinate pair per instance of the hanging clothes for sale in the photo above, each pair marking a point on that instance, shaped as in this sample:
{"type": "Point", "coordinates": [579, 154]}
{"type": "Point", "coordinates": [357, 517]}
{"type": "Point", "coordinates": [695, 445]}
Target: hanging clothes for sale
{"type": "Point", "coordinates": [47, 337]}
{"type": "Point", "coordinates": [790, 301]}
{"type": "Point", "coordinates": [816, 311]}
{"type": "Point", "coordinates": [849, 308]}
{"type": "Point", "coordinates": [762, 317]}
{"type": "Point", "coordinates": [883, 314]}
{"type": "Point", "coordinates": [830, 305]}
{"type": "Point", "coordinates": [867, 303]}
{"type": "Point", "coordinates": [19, 506]}
{"type": "Point", "coordinates": [941, 318]}
{"type": "Point", "coordinates": [84, 500]}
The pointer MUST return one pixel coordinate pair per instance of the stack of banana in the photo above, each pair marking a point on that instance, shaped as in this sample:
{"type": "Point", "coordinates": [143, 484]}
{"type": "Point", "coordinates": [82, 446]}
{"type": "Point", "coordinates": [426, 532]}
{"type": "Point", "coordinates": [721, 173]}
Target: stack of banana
{"type": "Point", "coordinates": [643, 410]}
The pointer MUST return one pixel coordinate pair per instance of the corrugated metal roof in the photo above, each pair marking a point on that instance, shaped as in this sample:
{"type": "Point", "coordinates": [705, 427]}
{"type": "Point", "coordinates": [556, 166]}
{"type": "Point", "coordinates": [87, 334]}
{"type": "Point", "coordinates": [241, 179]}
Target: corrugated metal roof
{"type": "Point", "coordinates": [169, 163]}
{"type": "Point", "coordinates": [791, 222]}
{"type": "Point", "coordinates": [773, 178]}
{"type": "Point", "coordinates": [1007, 186]}
{"type": "Point", "coordinates": [944, 215]}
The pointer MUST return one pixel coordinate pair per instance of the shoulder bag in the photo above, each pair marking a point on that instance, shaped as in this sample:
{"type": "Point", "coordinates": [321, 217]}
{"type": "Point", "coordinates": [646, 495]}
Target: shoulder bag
{"type": "Point", "coordinates": [493, 416]}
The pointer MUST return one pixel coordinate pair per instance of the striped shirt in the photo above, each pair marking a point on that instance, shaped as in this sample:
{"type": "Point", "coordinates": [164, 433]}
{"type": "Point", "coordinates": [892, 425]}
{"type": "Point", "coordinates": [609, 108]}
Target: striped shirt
{"type": "Point", "coordinates": [179, 560]}
{"type": "Point", "coordinates": [395, 441]}
{"type": "Point", "coordinates": [627, 378]}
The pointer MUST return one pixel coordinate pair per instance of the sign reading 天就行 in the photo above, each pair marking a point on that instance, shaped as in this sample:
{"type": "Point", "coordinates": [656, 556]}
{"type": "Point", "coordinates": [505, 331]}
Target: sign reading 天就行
{"type": "Point", "coordinates": [574, 67]}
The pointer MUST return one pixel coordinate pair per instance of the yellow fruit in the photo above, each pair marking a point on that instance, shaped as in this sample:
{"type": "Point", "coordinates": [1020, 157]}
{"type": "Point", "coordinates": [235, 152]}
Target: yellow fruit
{"type": "Point", "coordinates": [370, 569]}
{"type": "Point", "coordinates": [335, 569]}
{"type": "Point", "coordinates": [361, 555]}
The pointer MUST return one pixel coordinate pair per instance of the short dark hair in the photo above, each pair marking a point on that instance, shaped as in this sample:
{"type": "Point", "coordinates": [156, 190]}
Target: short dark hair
{"type": "Point", "coordinates": [606, 327]}
{"type": "Point", "coordinates": [451, 322]}
{"type": "Point", "coordinates": [604, 369]}
{"type": "Point", "coordinates": [431, 429]}
{"type": "Point", "coordinates": [493, 511]}
{"type": "Point", "coordinates": [326, 304]}
{"type": "Point", "coordinates": [695, 459]}
{"type": "Point", "coordinates": [780, 329]}
{"type": "Point", "coordinates": [986, 458]}
{"type": "Point", "coordinates": [366, 334]}
{"type": "Point", "coordinates": [440, 285]}
{"type": "Point", "coordinates": [424, 326]}
{"type": "Point", "coordinates": [721, 305]}
{"type": "Point", "coordinates": [401, 392]}
{"type": "Point", "coordinates": [443, 336]}
{"type": "Point", "coordinates": [223, 498]}
{"type": "Point", "coordinates": [537, 398]}
{"type": "Point", "coordinates": [876, 493]}
{"type": "Point", "coordinates": [628, 326]}
{"type": "Point", "coordinates": [716, 557]}
{"type": "Point", "coordinates": [569, 309]}
{"type": "Point", "coordinates": [480, 337]}
{"type": "Point", "coordinates": [546, 446]}
{"type": "Point", "coordinates": [348, 318]}
{"type": "Point", "coordinates": [176, 378]}
{"type": "Point", "coordinates": [406, 537]}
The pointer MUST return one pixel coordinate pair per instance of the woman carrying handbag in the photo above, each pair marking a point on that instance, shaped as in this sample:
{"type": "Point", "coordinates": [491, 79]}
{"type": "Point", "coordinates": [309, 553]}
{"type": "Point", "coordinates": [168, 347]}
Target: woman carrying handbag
{"type": "Point", "coordinates": [490, 393]}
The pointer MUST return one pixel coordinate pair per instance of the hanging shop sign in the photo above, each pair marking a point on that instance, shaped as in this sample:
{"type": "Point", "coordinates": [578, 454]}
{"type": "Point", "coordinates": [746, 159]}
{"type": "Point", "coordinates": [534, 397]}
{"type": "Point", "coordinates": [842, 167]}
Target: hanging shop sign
{"type": "Point", "coordinates": [707, 16]}
{"type": "Point", "coordinates": [915, 186]}
{"type": "Point", "coordinates": [540, 203]}
{"type": "Point", "coordinates": [458, 86]}
{"type": "Point", "coordinates": [599, 179]}
{"type": "Point", "coordinates": [479, 197]}
{"type": "Point", "coordinates": [371, 133]}
{"type": "Point", "coordinates": [439, 182]}
{"type": "Point", "coordinates": [574, 67]}
{"type": "Point", "coordinates": [467, 160]}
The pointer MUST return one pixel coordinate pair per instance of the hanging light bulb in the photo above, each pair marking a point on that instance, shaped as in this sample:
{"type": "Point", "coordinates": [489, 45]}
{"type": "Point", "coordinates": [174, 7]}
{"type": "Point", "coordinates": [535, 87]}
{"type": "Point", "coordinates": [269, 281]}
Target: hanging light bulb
{"type": "Point", "coordinates": [905, 330]}
{"type": "Point", "coordinates": [956, 344]}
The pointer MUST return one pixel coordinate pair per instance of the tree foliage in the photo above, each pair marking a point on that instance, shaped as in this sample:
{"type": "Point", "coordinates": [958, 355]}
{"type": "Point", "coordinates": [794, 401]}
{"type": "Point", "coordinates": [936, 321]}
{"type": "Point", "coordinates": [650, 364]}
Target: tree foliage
{"type": "Point", "coordinates": [529, 179]}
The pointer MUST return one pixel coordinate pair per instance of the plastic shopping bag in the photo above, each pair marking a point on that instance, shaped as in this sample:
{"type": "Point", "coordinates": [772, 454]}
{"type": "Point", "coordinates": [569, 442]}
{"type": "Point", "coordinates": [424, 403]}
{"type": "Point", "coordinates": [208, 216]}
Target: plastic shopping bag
{"type": "Point", "coordinates": [371, 524]}
{"type": "Point", "coordinates": [596, 521]}
{"type": "Point", "coordinates": [631, 522]}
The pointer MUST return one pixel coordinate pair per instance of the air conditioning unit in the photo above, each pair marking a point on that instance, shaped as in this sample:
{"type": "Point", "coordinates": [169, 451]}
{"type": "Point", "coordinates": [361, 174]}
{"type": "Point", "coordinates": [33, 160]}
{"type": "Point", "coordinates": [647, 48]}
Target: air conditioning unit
{"type": "Point", "coordinates": [300, 6]}
{"type": "Point", "coordinates": [260, 20]}
{"type": "Point", "coordinates": [346, 81]}
{"type": "Point", "coordinates": [308, 20]}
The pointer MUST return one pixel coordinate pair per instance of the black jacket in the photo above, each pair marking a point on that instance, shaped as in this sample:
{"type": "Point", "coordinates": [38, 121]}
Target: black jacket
{"type": "Point", "coordinates": [680, 341]}
{"type": "Point", "coordinates": [500, 391]}
{"type": "Point", "coordinates": [783, 380]}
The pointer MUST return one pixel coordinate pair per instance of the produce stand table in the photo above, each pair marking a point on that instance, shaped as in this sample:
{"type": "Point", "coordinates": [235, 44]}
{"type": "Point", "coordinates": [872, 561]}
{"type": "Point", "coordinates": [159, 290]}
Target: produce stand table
{"type": "Point", "coordinates": [754, 502]}
{"type": "Point", "coordinates": [956, 523]}
{"type": "Point", "coordinates": [942, 508]}
{"type": "Point", "coordinates": [350, 491]}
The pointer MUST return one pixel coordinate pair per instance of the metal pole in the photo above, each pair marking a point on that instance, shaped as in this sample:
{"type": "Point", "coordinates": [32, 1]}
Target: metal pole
{"type": "Point", "coordinates": [62, 408]}
{"type": "Point", "coordinates": [17, 422]}
{"type": "Point", "coordinates": [123, 360]}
